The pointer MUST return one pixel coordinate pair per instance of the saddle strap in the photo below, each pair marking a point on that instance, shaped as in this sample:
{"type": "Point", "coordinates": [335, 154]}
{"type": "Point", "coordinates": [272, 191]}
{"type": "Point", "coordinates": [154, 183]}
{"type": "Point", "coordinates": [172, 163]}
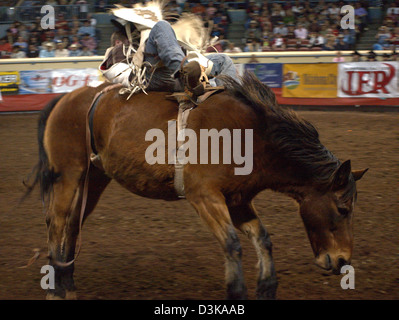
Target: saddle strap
{"type": "Point", "coordinates": [184, 110]}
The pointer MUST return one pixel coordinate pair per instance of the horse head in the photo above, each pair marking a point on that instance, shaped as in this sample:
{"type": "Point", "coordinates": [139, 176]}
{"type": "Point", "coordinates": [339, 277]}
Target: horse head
{"type": "Point", "coordinates": [327, 214]}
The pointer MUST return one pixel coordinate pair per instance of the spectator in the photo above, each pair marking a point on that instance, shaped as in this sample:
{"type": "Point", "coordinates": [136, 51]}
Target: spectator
{"type": "Point", "coordinates": [339, 57]}
{"type": "Point", "coordinates": [101, 6]}
{"type": "Point", "coordinates": [383, 39]}
{"type": "Point", "coordinates": [60, 51]}
{"type": "Point", "coordinates": [289, 17]}
{"type": "Point", "coordinates": [253, 59]}
{"type": "Point", "coordinates": [278, 13]}
{"type": "Point", "coordinates": [386, 57]}
{"type": "Point", "coordinates": [278, 42]}
{"type": "Point", "coordinates": [93, 21]}
{"type": "Point", "coordinates": [371, 56]}
{"type": "Point", "coordinates": [23, 32]}
{"type": "Point", "coordinates": [394, 56]}
{"type": "Point", "coordinates": [75, 41]}
{"type": "Point", "coordinates": [291, 32]}
{"type": "Point", "coordinates": [266, 43]}
{"type": "Point", "coordinates": [297, 8]}
{"type": "Point", "coordinates": [316, 40]}
{"type": "Point", "coordinates": [198, 9]}
{"type": "Point", "coordinates": [61, 23]}
{"type": "Point", "coordinates": [61, 33]}
{"type": "Point", "coordinates": [186, 8]}
{"type": "Point", "coordinates": [211, 10]}
{"type": "Point", "coordinates": [47, 51]}
{"type": "Point", "coordinates": [33, 51]}
{"type": "Point", "coordinates": [5, 47]}
{"type": "Point", "coordinates": [349, 38]}
{"type": "Point", "coordinates": [356, 56]}
{"type": "Point", "coordinates": [280, 29]}
{"type": "Point", "coordinates": [333, 9]}
{"type": "Point", "coordinates": [253, 45]}
{"type": "Point", "coordinates": [361, 13]}
{"type": "Point", "coordinates": [87, 28]}
{"type": "Point", "coordinates": [264, 22]}
{"type": "Point", "coordinates": [301, 32]}
{"type": "Point", "coordinates": [232, 48]}
{"type": "Point", "coordinates": [83, 8]}
{"type": "Point", "coordinates": [33, 39]}
{"type": "Point", "coordinates": [74, 50]}
{"type": "Point", "coordinates": [89, 42]}
{"type": "Point", "coordinates": [340, 44]}
{"type": "Point", "coordinates": [330, 43]}
{"type": "Point", "coordinates": [394, 40]}
{"type": "Point", "coordinates": [21, 43]}
{"type": "Point", "coordinates": [314, 24]}
{"type": "Point", "coordinates": [253, 28]}
{"type": "Point", "coordinates": [17, 53]}
{"type": "Point", "coordinates": [85, 52]}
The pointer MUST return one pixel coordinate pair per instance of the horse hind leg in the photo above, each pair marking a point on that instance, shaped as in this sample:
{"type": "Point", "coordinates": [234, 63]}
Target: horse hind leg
{"type": "Point", "coordinates": [245, 219]}
{"type": "Point", "coordinates": [63, 222]}
{"type": "Point", "coordinates": [212, 209]}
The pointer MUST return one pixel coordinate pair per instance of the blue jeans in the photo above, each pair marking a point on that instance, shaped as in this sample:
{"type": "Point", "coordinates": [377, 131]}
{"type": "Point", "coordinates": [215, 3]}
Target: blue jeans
{"type": "Point", "coordinates": [162, 46]}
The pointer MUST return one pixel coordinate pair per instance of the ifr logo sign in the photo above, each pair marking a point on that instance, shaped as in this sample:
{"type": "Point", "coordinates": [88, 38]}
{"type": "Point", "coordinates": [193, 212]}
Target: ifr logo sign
{"type": "Point", "coordinates": [348, 280]}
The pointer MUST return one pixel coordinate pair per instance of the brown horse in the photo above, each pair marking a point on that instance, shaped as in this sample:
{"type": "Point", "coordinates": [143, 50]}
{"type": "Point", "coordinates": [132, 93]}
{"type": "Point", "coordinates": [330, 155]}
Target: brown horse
{"type": "Point", "coordinates": [287, 157]}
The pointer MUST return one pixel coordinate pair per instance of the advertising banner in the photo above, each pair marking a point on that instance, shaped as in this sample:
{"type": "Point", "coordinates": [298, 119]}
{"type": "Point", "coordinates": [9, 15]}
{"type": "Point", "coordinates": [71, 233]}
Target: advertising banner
{"type": "Point", "coordinates": [35, 81]}
{"type": "Point", "coordinates": [310, 80]}
{"type": "Point", "coordinates": [9, 82]}
{"type": "Point", "coordinates": [67, 80]}
{"type": "Point", "coordinates": [270, 74]}
{"type": "Point", "coordinates": [368, 79]}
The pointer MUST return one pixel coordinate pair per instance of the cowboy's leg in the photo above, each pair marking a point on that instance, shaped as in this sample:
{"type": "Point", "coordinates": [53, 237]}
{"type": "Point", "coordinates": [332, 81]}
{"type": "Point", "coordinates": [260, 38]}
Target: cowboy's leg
{"type": "Point", "coordinates": [222, 65]}
{"type": "Point", "coordinates": [162, 42]}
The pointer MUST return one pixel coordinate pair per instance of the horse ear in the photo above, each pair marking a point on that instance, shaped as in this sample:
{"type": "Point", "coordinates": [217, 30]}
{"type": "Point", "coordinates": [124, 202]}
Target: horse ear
{"type": "Point", "coordinates": [358, 174]}
{"type": "Point", "coordinates": [341, 175]}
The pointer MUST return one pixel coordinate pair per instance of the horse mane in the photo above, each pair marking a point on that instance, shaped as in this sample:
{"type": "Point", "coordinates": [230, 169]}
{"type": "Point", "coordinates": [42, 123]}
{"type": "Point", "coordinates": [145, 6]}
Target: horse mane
{"type": "Point", "coordinates": [294, 139]}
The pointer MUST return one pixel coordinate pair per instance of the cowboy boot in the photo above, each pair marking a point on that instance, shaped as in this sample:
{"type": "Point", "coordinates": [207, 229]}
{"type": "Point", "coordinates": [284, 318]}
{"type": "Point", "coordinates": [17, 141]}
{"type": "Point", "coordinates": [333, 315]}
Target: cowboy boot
{"type": "Point", "coordinates": [191, 73]}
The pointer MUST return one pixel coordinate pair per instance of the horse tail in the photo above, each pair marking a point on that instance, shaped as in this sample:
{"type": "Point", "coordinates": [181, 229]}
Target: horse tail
{"type": "Point", "coordinates": [41, 172]}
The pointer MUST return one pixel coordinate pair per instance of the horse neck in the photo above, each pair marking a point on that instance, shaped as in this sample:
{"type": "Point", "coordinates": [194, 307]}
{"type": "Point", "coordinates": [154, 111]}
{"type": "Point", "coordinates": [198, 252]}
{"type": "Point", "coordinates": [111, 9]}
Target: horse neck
{"type": "Point", "coordinates": [294, 179]}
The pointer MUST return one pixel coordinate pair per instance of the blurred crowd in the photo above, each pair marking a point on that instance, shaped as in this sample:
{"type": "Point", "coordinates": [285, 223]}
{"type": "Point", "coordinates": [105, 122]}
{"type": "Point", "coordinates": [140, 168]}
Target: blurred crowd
{"type": "Point", "coordinates": [302, 25]}
{"type": "Point", "coordinates": [387, 37]}
{"type": "Point", "coordinates": [77, 36]}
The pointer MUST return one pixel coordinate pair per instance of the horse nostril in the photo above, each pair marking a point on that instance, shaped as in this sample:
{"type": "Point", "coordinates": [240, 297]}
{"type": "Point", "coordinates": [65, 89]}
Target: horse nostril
{"type": "Point", "coordinates": [328, 262]}
{"type": "Point", "coordinates": [342, 262]}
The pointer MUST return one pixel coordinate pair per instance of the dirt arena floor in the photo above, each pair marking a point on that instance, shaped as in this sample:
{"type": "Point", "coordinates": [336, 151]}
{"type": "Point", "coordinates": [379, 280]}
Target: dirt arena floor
{"type": "Point", "coordinates": [136, 248]}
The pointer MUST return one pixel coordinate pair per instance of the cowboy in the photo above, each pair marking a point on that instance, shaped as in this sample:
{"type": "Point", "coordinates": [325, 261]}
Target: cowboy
{"type": "Point", "coordinates": [168, 65]}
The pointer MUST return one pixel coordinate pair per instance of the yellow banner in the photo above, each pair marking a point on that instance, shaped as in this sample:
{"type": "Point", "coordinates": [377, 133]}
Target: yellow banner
{"type": "Point", "coordinates": [9, 82]}
{"type": "Point", "coordinates": [310, 80]}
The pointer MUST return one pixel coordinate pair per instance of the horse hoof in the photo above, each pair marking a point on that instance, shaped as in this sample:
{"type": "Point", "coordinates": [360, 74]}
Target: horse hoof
{"type": "Point", "coordinates": [71, 295]}
{"type": "Point", "coordinates": [50, 296]}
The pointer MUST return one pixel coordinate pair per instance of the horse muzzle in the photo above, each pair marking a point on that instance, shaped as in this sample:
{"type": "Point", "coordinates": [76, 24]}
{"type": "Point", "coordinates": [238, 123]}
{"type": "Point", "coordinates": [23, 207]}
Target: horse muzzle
{"type": "Point", "coordinates": [327, 262]}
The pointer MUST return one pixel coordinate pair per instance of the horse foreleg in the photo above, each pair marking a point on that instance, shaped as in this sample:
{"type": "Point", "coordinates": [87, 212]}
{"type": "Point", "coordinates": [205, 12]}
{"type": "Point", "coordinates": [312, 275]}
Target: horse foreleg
{"type": "Point", "coordinates": [212, 209]}
{"type": "Point", "coordinates": [245, 218]}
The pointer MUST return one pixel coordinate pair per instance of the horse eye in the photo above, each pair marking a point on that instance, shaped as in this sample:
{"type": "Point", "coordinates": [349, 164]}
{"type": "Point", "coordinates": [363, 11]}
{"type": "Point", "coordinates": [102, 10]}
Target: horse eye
{"type": "Point", "coordinates": [343, 211]}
